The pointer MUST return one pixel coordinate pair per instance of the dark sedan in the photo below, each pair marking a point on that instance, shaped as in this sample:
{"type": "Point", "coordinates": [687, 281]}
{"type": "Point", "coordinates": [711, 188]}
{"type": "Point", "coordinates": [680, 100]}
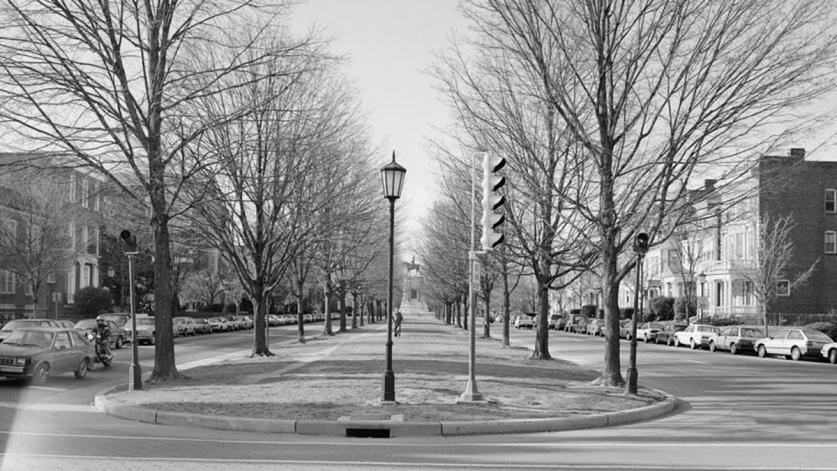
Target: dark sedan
{"type": "Point", "coordinates": [35, 353]}
{"type": "Point", "coordinates": [666, 334]}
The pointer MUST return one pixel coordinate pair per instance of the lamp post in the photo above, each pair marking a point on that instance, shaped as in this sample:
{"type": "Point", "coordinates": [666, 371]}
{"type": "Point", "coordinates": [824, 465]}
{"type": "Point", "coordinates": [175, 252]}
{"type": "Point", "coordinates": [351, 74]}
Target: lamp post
{"type": "Point", "coordinates": [135, 371]}
{"type": "Point", "coordinates": [392, 176]}
{"type": "Point", "coordinates": [640, 249]}
{"type": "Point", "coordinates": [702, 280]}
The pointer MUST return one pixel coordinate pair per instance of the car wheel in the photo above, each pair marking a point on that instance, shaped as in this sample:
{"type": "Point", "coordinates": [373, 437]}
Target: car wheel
{"type": "Point", "coordinates": [81, 371]}
{"type": "Point", "coordinates": [41, 374]}
{"type": "Point", "coordinates": [119, 342]}
{"type": "Point", "coordinates": [711, 346]}
{"type": "Point", "coordinates": [692, 344]}
{"type": "Point", "coordinates": [733, 349]}
{"type": "Point", "coordinates": [832, 356]}
{"type": "Point", "coordinates": [670, 342]}
{"type": "Point", "coordinates": [153, 339]}
{"type": "Point", "coordinates": [762, 351]}
{"type": "Point", "coordinates": [795, 354]}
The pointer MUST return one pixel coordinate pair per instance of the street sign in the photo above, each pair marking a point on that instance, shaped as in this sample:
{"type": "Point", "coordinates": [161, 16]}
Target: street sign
{"type": "Point", "coordinates": [702, 302]}
{"type": "Point", "coordinates": [56, 297]}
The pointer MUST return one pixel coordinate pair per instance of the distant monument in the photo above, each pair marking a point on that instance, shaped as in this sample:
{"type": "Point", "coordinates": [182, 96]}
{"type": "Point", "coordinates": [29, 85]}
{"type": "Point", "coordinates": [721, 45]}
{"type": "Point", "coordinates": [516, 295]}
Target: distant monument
{"type": "Point", "coordinates": [413, 282]}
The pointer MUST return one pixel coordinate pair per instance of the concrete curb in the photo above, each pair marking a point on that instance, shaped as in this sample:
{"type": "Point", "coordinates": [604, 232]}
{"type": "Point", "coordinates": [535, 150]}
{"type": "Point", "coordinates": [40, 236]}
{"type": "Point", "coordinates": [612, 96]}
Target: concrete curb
{"type": "Point", "coordinates": [345, 428]}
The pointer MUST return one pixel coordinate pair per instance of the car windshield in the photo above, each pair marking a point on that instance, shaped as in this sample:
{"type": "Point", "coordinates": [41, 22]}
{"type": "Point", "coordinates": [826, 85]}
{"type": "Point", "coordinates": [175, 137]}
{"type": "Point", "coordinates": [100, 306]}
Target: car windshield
{"type": "Point", "coordinates": [145, 321]}
{"type": "Point", "coordinates": [18, 324]}
{"type": "Point", "coordinates": [29, 338]}
{"type": "Point", "coordinates": [118, 318]}
{"type": "Point", "coordinates": [750, 332]}
{"type": "Point", "coordinates": [86, 324]}
{"type": "Point", "coordinates": [817, 335]}
{"type": "Point", "coordinates": [655, 325]}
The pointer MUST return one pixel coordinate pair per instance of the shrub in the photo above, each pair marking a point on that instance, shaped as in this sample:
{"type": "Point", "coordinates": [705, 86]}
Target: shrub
{"type": "Point", "coordinates": [648, 316]}
{"type": "Point", "coordinates": [626, 312]}
{"type": "Point", "coordinates": [229, 308]}
{"type": "Point", "coordinates": [589, 310]}
{"type": "Point", "coordinates": [724, 321]}
{"type": "Point", "coordinates": [680, 308]}
{"type": "Point", "coordinates": [662, 307]}
{"type": "Point", "coordinates": [828, 328]}
{"type": "Point", "coordinates": [91, 301]}
{"type": "Point", "coordinates": [217, 307]}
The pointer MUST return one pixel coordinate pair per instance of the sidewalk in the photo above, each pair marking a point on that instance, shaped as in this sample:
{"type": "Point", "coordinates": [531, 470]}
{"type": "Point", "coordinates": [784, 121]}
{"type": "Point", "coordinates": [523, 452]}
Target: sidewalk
{"type": "Point", "coordinates": [333, 385]}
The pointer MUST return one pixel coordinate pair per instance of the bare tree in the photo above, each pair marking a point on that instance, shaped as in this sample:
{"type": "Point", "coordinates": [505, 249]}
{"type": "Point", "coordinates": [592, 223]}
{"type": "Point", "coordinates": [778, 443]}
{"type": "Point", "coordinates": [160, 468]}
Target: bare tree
{"type": "Point", "coordinates": [774, 253]}
{"type": "Point", "coordinates": [654, 92]}
{"type": "Point", "coordinates": [105, 84]}
{"type": "Point", "coordinates": [35, 243]}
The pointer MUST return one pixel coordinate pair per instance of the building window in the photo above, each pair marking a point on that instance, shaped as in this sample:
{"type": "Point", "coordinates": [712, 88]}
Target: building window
{"type": "Point", "coordinates": [783, 288]}
{"type": "Point", "coordinates": [7, 282]}
{"type": "Point", "coordinates": [830, 242]}
{"type": "Point", "coordinates": [830, 201]}
{"type": "Point", "coordinates": [85, 192]}
{"type": "Point", "coordinates": [742, 293]}
{"type": "Point", "coordinates": [719, 294]}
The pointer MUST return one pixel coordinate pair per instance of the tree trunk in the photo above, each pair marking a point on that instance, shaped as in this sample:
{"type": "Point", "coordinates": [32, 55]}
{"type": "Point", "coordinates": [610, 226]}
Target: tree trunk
{"type": "Point", "coordinates": [612, 374]}
{"type": "Point", "coordinates": [342, 303]}
{"type": "Point", "coordinates": [327, 292]}
{"type": "Point", "coordinates": [300, 328]}
{"type": "Point", "coordinates": [506, 305]}
{"type": "Point", "coordinates": [260, 341]}
{"type": "Point", "coordinates": [486, 329]}
{"type": "Point", "coordinates": [541, 351]}
{"type": "Point", "coordinates": [164, 363]}
{"type": "Point", "coordinates": [355, 312]}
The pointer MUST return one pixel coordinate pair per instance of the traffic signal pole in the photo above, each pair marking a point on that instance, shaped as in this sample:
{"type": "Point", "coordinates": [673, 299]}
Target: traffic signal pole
{"type": "Point", "coordinates": [471, 394]}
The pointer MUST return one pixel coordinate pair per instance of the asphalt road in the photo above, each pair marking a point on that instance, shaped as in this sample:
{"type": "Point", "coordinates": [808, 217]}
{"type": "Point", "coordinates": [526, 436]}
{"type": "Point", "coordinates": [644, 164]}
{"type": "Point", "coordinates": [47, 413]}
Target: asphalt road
{"type": "Point", "coordinates": [737, 412]}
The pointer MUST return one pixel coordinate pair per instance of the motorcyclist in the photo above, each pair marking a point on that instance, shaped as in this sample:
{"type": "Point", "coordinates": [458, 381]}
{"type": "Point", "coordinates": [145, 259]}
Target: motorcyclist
{"type": "Point", "coordinates": [103, 336]}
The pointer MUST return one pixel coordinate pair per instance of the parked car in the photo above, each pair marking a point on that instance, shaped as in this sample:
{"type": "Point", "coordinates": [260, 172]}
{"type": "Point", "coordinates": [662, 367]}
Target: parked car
{"type": "Point", "coordinates": [219, 324]}
{"type": "Point", "coordinates": [121, 319]}
{"type": "Point", "coordinates": [556, 322]}
{"type": "Point", "coordinates": [202, 326]}
{"type": "Point", "coordinates": [829, 351]}
{"type": "Point", "coordinates": [20, 323]}
{"type": "Point", "coordinates": [246, 322]}
{"type": "Point", "coordinates": [647, 332]}
{"type": "Point", "coordinates": [235, 322]}
{"type": "Point", "coordinates": [184, 326]}
{"type": "Point", "coordinates": [118, 335]}
{"type": "Point", "coordinates": [146, 330]}
{"type": "Point", "coordinates": [625, 328]}
{"type": "Point", "coordinates": [792, 342]}
{"type": "Point", "coordinates": [524, 321]}
{"type": "Point", "coordinates": [736, 338]}
{"type": "Point", "coordinates": [580, 326]}
{"type": "Point", "coordinates": [696, 335]}
{"type": "Point", "coordinates": [35, 353]}
{"type": "Point", "coordinates": [666, 334]}
{"type": "Point", "coordinates": [594, 327]}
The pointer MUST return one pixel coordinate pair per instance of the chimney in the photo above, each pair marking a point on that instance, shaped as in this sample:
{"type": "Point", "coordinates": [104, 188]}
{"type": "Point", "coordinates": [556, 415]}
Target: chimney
{"type": "Point", "coordinates": [798, 152]}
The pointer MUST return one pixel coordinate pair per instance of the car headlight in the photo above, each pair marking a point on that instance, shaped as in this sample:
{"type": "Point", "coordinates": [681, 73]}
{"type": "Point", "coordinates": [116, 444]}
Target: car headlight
{"type": "Point", "coordinates": [21, 361]}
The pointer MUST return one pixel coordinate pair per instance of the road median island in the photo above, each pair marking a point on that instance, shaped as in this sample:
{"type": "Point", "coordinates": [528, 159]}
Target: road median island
{"type": "Point", "coordinates": [332, 385]}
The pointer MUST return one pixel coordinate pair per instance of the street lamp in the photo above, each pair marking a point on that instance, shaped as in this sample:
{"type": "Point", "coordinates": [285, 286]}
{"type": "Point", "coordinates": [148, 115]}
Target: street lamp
{"type": "Point", "coordinates": [135, 373]}
{"type": "Point", "coordinates": [702, 280]}
{"type": "Point", "coordinates": [392, 177]}
{"type": "Point", "coordinates": [640, 249]}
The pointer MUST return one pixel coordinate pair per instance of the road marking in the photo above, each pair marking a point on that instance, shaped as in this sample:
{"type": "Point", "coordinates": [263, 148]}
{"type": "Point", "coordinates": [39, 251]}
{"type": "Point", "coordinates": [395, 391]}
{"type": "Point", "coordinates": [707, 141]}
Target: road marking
{"type": "Point", "coordinates": [388, 464]}
{"type": "Point", "coordinates": [49, 407]}
{"type": "Point", "coordinates": [490, 444]}
{"type": "Point", "coordinates": [47, 388]}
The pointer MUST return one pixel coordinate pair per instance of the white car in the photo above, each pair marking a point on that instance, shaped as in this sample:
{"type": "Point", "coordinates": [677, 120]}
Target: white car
{"type": "Point", "coordinates": [648, 332]}
{"type": "Point", "coordinates": [696, 335]}
{"type": "Point", "coordinates": [793, 342]}
{"type": "Point", "coordinates": [829, 351]}
{"type": "Point", "coordinates": [523, 321]}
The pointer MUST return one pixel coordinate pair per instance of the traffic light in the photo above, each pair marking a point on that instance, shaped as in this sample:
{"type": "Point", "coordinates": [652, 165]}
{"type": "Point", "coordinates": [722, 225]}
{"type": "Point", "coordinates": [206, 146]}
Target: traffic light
{"type": "Point", "coordinates": [129, 239]}
{"type": "Point", "coordinates": [492, 200]}
{"type": "Point", "coordinates": [641, 243]}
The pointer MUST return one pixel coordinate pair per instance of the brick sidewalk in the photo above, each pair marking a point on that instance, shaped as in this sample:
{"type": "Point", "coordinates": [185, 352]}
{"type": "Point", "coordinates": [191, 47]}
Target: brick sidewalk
{"type": "Point", "coordinates": [340, 377]}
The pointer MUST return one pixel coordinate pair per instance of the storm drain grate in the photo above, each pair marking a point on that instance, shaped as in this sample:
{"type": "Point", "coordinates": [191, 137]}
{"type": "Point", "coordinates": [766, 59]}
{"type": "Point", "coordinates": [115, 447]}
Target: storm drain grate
{"type": "Point", "coordinates": [367, 432]}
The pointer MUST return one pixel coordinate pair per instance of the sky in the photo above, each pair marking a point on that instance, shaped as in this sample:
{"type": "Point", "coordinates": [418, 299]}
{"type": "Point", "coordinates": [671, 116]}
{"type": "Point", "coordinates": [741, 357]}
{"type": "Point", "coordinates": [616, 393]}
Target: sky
{"type": "Point", "coordinates": [388, 45]}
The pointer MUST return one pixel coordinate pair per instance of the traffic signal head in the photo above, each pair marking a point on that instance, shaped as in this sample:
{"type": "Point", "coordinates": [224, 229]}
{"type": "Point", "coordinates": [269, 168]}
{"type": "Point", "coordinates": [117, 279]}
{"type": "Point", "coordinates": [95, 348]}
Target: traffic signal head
{"type": "Point", "coordinates": [641, 243]}
{"type": "Point", "coordinates": [129, 239]}
{"type": "Point", "coordinates": [492, 201]}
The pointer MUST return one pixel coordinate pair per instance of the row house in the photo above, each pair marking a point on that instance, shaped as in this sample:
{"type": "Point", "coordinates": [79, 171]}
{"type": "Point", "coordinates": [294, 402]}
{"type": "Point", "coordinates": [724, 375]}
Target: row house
{"type": "Point", "coordinates": [23, 179]}
{"type": "Point", "coordinates": [716, 259]}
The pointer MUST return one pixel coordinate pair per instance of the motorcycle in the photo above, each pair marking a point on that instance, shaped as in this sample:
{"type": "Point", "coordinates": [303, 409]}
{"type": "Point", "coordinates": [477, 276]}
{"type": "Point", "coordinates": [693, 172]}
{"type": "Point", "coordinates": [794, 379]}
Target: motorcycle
{"type": "Point", "coordinates": [103, 355]}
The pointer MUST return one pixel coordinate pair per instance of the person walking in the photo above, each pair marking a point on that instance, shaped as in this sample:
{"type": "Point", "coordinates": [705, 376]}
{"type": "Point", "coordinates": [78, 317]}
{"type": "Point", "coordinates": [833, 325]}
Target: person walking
{"type": "Point", "coordinates": [398, 319]}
